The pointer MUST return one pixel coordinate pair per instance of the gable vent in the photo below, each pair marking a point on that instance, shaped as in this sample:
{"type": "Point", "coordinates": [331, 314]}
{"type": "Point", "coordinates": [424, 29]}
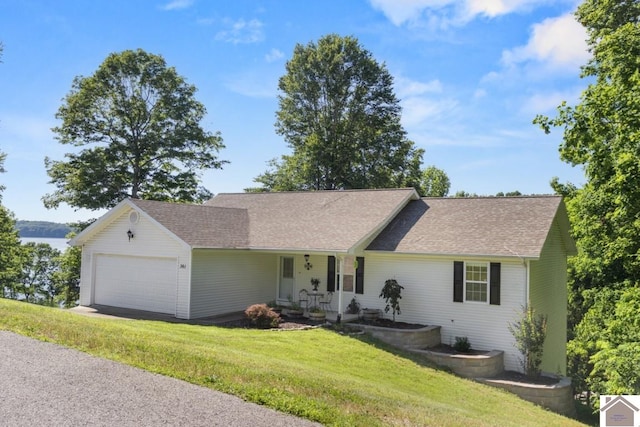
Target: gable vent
{"type": "Point", "coordinates": [134, 217]}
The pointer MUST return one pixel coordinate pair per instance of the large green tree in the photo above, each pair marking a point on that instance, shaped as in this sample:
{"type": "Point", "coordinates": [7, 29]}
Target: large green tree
{"type": "Point", "coordinates": [434, 182]}
{"type": "Point", "coordinates": [41, 262]}
{"type": "Point", "coordinates": [10, 254]}
{"type": "Point", "coordinates": [138, 125]}
{"type": "Point", "coordinates": [602, 134]}
{"type": "Point", "coordinates": [339, 115]}
{"type": "Point", "coordinates": [67, 278]}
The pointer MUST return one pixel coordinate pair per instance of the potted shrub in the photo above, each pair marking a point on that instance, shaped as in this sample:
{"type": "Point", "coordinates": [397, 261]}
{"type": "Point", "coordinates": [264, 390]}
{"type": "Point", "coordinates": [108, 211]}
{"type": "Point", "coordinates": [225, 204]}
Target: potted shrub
{"type": "Point", "coordinates": [370, 314]}
{"type": "Point", "coordinates": [353, 307]}
{"type": "Point", "coordinates": [314, 284]}
{"type": "Point", "coordinates": [294, 309]}
{"type": "Point", "coordinates": [317, 314]}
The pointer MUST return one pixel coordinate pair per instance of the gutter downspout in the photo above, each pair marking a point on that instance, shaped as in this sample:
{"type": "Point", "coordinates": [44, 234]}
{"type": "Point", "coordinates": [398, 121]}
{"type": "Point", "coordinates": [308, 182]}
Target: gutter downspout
{"type": "Point", "coordinates": [526, 283]}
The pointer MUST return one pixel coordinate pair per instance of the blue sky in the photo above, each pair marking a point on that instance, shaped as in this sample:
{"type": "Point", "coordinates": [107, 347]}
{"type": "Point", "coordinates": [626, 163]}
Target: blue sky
{"type": "Point", "coordinates": [471, 75]}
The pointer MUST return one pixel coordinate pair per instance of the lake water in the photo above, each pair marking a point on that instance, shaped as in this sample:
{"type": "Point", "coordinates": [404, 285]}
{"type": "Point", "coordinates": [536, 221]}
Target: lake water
{"type": "Point", "coordinates": [56, 243]}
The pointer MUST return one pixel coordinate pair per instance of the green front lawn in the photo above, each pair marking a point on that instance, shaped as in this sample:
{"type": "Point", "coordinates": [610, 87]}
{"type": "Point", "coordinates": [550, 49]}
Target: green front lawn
{"type": "Point", "coordinates": [316, 374]}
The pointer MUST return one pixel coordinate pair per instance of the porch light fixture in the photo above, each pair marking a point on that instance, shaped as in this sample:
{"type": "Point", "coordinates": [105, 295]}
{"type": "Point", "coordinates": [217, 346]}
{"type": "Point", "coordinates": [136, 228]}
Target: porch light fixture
{"type": "Point", "coordinates": [130, 235]}
{"type": "Point", "coordinates": [307, 264]}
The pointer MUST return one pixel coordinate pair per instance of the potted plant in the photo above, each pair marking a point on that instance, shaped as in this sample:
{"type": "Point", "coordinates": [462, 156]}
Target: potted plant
{"type": "Point", "coordinates": [370, 314]}
{"type": "Point", "coordinates": [317, 314]}
{"type": "Point", "coordinates": [294, 309]}
{"type": "Point", "coordinates": [314, 284]}
{"type": "Point", "coordinates": [353, 307]}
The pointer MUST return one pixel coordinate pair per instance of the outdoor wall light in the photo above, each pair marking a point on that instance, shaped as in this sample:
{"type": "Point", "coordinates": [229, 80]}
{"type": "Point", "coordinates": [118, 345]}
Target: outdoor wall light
{"type": "Point", "coordinates": [307, 264]}
{"type": "Point", "coordinates": [130, 235]}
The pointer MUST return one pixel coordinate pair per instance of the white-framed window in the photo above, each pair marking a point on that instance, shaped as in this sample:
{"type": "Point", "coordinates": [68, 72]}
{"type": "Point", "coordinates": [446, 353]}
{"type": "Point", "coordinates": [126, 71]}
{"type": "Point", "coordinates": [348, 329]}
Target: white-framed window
{"type": "Point", "coordinates": [476, 282]}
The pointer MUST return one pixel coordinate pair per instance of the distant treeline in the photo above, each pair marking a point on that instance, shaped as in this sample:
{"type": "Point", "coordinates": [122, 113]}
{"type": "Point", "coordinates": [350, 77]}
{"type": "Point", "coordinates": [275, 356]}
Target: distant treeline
{"type": "Point", "coordinates": [42, 229]}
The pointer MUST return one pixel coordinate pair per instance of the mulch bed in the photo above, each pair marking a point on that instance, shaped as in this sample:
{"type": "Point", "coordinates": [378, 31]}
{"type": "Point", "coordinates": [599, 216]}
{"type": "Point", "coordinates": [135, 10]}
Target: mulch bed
{"type": "Point", "coordinates": [447, 349]}
{"type": "Point", "coordinates": [518, 377]}
{"type": "Point", "coordinates": [285, 323]}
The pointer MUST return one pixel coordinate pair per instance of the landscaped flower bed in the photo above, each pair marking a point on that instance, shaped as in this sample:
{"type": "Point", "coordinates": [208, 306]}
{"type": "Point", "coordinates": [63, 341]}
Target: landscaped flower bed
{"type": "Point", "coordinates": [555, 394]}
{"type": "Point", "coordinates": [403, 337]}
{"type": "Point", "coordinates": [468, 365]}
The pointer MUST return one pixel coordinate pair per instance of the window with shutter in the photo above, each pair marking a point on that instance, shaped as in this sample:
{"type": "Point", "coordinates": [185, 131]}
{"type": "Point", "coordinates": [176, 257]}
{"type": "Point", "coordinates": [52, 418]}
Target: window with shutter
{"type": "Point", "coordinates": [476, 282]}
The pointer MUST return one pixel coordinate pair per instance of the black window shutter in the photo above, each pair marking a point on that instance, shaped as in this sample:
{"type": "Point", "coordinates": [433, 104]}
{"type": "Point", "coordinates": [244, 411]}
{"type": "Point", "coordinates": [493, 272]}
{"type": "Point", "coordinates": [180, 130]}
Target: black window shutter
{"type": "Point", "coordinates": [360, 275]}
{"type": "Point", "coordinates": [331, 274]}
{"type": "Point", "coordinates": [494, 285]}
{"type": "Point", "coordinates": [458, 281]}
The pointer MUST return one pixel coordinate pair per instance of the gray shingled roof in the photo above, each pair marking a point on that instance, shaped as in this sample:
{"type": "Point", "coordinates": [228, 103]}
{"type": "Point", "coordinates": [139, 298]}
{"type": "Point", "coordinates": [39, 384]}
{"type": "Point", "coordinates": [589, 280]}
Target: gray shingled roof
{"type": "Point", "coordinates": [315, 220]}
{"type": "Point", "coordinates": [491, 226]}
{"type": "Point", "coordinates": [201, 226]}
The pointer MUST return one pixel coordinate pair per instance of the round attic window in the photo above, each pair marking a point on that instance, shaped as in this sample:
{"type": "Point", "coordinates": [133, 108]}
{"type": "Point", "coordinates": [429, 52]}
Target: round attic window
{"type": "Point", "coordinates": [134, 217]}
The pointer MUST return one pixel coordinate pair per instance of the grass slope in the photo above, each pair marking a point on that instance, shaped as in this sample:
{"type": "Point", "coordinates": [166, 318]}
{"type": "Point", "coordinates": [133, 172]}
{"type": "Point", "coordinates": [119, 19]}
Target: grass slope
{"type": "Point", "coordinates": [315, 374]}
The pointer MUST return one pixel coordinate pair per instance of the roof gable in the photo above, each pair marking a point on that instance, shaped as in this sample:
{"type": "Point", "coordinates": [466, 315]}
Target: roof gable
{"type": "Point", "coordinates": [483, 226]}
{"type": "Point", "coordinates": [316, 220]}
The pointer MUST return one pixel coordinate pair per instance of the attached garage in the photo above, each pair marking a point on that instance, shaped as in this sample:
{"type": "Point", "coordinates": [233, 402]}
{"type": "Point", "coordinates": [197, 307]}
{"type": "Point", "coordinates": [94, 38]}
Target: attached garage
{"type": "Point", "coordinates": [141, 283]}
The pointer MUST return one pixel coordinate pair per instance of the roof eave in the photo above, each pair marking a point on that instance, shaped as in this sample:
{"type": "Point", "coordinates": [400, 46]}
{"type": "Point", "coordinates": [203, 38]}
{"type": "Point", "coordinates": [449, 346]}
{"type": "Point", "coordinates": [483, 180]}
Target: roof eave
{"type": "Point", "coordinates": [456, 255]}
{"type": "Point", "coordinates": [82, 237]}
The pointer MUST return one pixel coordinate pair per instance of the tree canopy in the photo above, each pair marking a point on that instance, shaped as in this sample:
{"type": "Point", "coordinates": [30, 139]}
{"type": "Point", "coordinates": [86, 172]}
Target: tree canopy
{"type": "Point", "coordinates": [138, 124]}
{"type": "Point", "coordinates": [602, 134]}
{"type": "Point", "coordinates": [434, 183]}
{"type": "Point", "coordinates": [340, 116]}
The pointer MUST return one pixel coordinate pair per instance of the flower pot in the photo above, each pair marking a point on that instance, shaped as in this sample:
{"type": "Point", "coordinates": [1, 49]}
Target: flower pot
{"type": "Point", "coordinates": [293, 313]}
{"type": "Point", "coordinates": [370, 314]}
{"type": "Point", "coordinates": [317, 316]}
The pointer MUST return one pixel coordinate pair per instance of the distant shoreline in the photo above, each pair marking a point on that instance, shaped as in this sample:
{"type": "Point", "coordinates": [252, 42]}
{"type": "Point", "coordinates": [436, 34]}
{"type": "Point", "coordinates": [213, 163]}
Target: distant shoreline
{"type": "Point", "coordinates": [42, 229]}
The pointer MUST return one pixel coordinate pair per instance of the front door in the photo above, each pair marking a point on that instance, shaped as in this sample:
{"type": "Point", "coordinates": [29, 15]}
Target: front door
{"type": "Point", "coordinates": [285, 287]}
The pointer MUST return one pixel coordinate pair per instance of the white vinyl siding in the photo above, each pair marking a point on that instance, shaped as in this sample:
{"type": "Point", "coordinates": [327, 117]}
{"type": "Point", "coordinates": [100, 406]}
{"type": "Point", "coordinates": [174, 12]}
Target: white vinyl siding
{"type": "Point", "coordinates": [548, 296]}
{"type": "Point", "coordinates": [149, 241]}
{"type": "Point", "coordinates": [427, 298]}
{"type": "Point", "coordinates": [229, 281]}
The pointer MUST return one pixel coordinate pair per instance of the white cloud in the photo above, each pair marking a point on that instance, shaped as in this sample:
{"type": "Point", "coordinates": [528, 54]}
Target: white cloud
{"type": "Point", "coordinates": [273, 55]}
{"type": "Point", "coordinates": [241, 31]}
{"type": "Point", "coordinates": [559, 42]}
{"type": "Point", "coordinates": [543, 103]}
{"type": "Point", "coordinates": [417, 111]}
{"type": "Point", "coordinates": [479, 93]}
{"type": "Point", "coordinates": [406, 87]}
{"type": "Point", "coordinates": [401, 11]}
{"type": "Point", "coordinates": [442, 13]}
{"type": "Point", "coordinates": [177, 4]}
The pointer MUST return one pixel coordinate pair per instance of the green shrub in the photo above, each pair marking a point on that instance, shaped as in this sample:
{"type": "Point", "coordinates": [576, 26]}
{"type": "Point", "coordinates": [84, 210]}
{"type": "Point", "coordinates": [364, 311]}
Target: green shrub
{"type": "Point", "coordinates": [261, 316]}
{"type": "Point", "coordinates": [530, 332]}
{"type": "Point", "coordinates": [391, 292]}
{"type": "Point", "coordinates": [462, 345]}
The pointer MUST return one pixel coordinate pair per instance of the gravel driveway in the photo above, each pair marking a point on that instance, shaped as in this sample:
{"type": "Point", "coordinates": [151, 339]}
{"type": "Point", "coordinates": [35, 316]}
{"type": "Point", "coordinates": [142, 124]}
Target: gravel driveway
{"type": "Point", "coordinates": [43, 384]}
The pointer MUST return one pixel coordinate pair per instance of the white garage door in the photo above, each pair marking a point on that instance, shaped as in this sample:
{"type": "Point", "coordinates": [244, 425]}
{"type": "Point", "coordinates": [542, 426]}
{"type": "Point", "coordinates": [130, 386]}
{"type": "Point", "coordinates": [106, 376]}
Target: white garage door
{"type": "Point", "coordinates": [136, 282]}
